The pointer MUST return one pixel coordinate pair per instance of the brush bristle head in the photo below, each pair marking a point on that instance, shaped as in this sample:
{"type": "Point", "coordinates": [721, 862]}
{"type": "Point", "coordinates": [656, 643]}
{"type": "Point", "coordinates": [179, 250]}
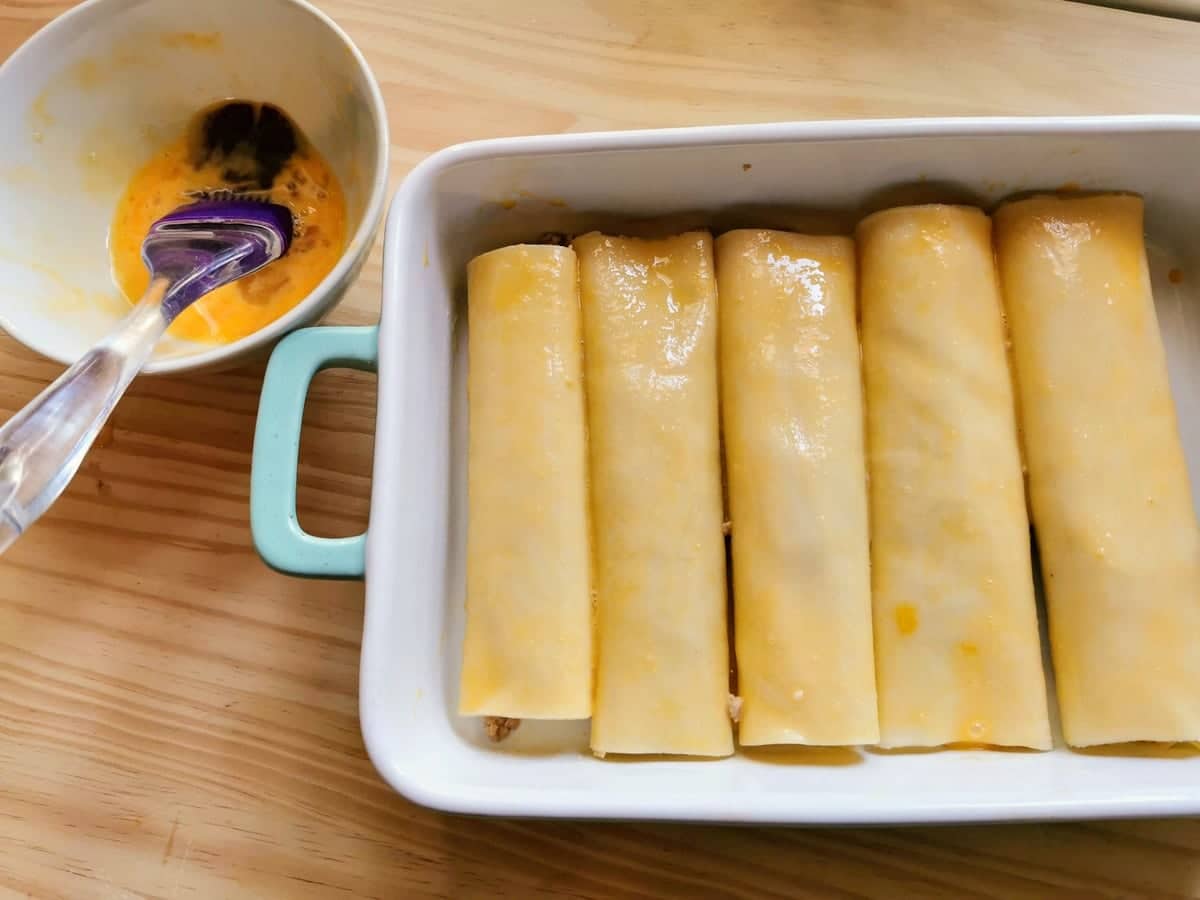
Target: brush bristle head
{"type": "Point", "coordinates": [233, 211]}
{"type": "Point", "coordinates": [207, 244]}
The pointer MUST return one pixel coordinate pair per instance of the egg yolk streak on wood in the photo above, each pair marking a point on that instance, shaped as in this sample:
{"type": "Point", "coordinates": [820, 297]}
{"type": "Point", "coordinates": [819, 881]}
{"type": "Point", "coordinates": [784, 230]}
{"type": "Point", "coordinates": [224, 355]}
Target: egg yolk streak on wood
{"type": "Point", "coordinates": [185, 170]}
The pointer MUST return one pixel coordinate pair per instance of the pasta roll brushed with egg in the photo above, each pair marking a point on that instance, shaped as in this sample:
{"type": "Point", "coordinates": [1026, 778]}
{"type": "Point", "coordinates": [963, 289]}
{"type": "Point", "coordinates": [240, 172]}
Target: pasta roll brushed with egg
{"type": "Point", "coordinates": [527, 652]}
{"type": "Point", "coordinates": [956, 635]}
{"type": "Point", "coordinates": [650, 331]}
{"type": "Point", "coordinates": [1111, 497]}
{"type": "Point", "coordinates": [793, 418]}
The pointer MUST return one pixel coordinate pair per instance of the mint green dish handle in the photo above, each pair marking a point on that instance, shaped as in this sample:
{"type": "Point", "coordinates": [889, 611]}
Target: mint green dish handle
{"type": "Point", "coordinates": [281, 542]}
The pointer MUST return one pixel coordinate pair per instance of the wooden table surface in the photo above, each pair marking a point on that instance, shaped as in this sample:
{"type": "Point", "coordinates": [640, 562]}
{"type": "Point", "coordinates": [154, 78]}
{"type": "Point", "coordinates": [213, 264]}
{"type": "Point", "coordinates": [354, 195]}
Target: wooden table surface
{"type": "Point", "coordinates": [178, 721]}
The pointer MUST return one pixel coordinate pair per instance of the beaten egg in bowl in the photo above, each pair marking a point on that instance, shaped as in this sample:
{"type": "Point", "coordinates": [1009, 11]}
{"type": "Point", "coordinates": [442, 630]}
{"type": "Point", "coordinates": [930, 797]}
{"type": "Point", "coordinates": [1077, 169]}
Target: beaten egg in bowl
{"type": "Point", "coordinates": [245, 148]}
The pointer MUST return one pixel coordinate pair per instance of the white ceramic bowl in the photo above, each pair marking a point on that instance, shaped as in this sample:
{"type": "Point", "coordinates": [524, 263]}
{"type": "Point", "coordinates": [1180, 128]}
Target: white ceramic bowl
{"type": "Point", "coordinates": [91, 96]}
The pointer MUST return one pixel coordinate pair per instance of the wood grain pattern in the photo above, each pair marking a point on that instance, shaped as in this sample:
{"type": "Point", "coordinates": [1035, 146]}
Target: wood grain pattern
{"type": "Point", "coordinates": [178, 721]}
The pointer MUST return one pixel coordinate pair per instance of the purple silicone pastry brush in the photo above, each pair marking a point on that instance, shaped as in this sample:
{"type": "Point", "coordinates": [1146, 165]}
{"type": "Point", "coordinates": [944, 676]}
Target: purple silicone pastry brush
{"type": "Point", "coordinates": [189, 252]}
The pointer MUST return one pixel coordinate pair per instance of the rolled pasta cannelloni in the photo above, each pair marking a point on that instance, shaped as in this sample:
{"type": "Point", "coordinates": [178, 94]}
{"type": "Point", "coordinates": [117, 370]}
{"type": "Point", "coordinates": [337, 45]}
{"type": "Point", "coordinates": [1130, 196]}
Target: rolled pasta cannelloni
{"type": "Point", "coordinates": [1111, 497]}
{"type": "Point", "coordinates": [527, 652]}
{"type": "Point", "coordinates": [792, 410]}
{"type": "Point", "coordinates": [958, 656]}
{"type": "Point", "coordinates": [650, 330]}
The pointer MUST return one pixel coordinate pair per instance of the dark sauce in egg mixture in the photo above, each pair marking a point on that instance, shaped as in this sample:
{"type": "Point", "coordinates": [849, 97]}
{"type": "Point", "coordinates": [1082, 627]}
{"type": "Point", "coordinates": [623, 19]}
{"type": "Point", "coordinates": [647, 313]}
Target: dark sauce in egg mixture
{"type": "Point", "coordinates": [252, 142]}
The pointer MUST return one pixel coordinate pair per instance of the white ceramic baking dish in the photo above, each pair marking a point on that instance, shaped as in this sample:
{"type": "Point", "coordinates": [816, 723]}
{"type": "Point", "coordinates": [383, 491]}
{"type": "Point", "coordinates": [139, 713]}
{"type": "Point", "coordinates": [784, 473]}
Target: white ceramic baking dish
{"type": "Point", "coordinates": [471, 198]}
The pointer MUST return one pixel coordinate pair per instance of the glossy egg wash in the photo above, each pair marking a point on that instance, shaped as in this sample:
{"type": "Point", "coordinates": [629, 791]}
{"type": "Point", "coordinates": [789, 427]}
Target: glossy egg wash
{"type": "Point", "coordinates": [248, 149]}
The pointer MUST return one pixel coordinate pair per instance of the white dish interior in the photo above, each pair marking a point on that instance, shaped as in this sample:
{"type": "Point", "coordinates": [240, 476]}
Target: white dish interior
{"type": "Point", "coordinates": [469, 199]}
{"type": "Point", "coordinates": [91, 97]}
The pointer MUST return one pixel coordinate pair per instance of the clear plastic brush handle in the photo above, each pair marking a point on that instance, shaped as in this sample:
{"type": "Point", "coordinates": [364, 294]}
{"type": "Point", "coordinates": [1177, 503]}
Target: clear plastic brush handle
{"type": "Point", "coordinates": [42, 446]}
{"type": "Point", "coordinates": [194, 250]}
